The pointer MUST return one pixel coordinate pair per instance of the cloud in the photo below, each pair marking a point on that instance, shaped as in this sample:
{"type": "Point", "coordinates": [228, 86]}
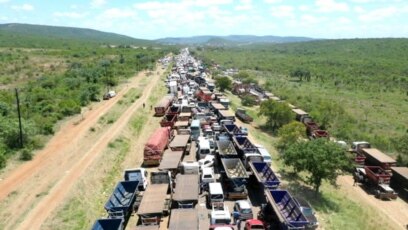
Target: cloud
{"type": "Point", "coordinates": [343, 20]}
{"type": "Point", "coordinates": [282, 11]}
{"type": "Point", "coordinates": [244, 5]}
{"type": "Point", "coordinates": [24, 7]}
{"type": "Point", "coordinates": [304, 8]}
{"type": "Point", "coordinates": [379, 14]}
{"type": "Point", "coordinates": [207, 3]}
{"type": "Point", "coordinates": [359, 9]}
{"type": "Point", "coordinates": [98, 3]}
{"type": "Point", "coordinates": [73, 15]}
{"type": "Point", "coordinates": [4, 1]}
{"type": "Point", "coordinates": [331, 6]}
{"type": "Point", "coordinates": [118, 13]}
{"type": "Point", "coordinates": [272, 1]}
{"type": "Point", "coordinates": [361, 1]}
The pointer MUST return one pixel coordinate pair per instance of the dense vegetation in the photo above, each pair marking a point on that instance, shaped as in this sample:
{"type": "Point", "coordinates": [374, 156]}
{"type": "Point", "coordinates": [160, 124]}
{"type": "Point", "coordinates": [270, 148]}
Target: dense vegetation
{"type": "Point", "coordinates": [38, 36]}
{"type": "Point", "coordinates": [56, 83]}
{"type": "Point", "coordinates": [357, 89]}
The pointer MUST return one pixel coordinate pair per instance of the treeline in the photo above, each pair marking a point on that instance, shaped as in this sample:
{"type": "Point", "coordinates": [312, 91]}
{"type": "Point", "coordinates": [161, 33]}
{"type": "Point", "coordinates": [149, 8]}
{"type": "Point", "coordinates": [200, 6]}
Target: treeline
{"type": "Point", "coordinates": [52, 95]}
{"type": "Point", "coordinates": [357, 89]}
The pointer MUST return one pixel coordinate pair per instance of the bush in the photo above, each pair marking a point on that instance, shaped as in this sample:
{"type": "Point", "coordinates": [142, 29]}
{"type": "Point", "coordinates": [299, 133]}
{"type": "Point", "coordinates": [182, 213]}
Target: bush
{"type": "Point", "coordinates": [248, 101]}
{"type": "Point", "coordinates": [26, 155]}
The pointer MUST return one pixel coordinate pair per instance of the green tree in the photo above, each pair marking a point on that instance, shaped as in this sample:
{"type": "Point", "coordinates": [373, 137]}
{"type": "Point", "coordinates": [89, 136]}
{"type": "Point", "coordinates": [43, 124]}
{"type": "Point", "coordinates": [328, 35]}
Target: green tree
{"type": "Point", "coordinates": [326, 113]}
{"type": "Point", "coordinates": [401, 145]}
{"type": "Point", "coordinates": [291, 133]}
{"type": "Point", "coordinates": [223, 83]}
{"type": "Point", "coordinates": [301, 73]}
{"type": "Point", "coordinates": [248, 101]}
{"type": "Point", "coordinates": [277, 114]}
{"type": "Point", "coordinates": [320, 158]}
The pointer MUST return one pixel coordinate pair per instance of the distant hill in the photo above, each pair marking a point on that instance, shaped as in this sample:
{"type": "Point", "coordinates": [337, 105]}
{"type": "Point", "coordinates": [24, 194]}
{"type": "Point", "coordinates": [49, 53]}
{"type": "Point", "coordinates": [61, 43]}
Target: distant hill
{"type": "Point", "coordinates": [27, 35]}
{"type": "Point", "coordinates": [231, 40]}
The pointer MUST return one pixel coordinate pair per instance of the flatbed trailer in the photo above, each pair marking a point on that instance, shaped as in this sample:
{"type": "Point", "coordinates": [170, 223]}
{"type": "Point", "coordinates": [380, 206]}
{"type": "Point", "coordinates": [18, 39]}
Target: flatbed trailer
{"type": "Point", "coordinates": [377, 158]}
{"type": "Point", "coordinates": [153, 204]}
{"type": "Point", "coordinates": [179, 143]}
{"type": "Point", "coordinates": [226, 115]}
{"type": "Point", "coordinates": [170, 161]}
{"type": "Point", "coordinates": [182, 219]}
{"type": "Point", "coordinates": [187, 190]}
{"type": "Point", "coordinates": [168, 120]}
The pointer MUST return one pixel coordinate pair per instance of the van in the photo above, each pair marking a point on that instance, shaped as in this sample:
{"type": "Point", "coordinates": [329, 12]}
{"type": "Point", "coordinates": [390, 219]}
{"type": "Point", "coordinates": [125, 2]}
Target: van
{"type": "Point", "coordinates": [215, 193]}
{"type": "Point", "coordinates": [203, 148]}
{"type": "Point", "coordinates": [195, 129]}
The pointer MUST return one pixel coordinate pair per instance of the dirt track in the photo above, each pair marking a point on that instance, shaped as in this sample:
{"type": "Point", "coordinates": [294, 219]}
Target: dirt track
{"type": "Point", "coordinates": [396, 210]}
{"type": "Point", "coordinates": [33, 190]}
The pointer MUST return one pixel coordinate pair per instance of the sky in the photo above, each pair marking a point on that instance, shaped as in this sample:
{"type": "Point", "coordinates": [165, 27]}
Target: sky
{"type": "Point", "coordinates": [179, 18]}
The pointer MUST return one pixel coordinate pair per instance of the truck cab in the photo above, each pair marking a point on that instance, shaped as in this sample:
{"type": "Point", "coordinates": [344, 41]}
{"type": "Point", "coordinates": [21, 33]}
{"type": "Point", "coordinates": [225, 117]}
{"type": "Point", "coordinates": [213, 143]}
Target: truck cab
{"type": "Point", "coordinates": [137, 174]}
{"type": "Point", "coordinates": [203, 148]}
{"type": "Point", "coordinates": [254, 224]}
{"type": "Point", "coordinates": [244, 209]}
{"type": "Point", "coordinates": [357, 146]}
{"type": "Point", "coordinates": [207, 176]}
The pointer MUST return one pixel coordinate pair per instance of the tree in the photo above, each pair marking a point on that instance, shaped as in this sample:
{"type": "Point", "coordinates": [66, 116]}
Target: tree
{"type": "Point", "coordinates": [291, 133]}
{"type": "Point", "coordinates": [223, 83]}
{"type": "Point", "coordinates": [320, 158]}
{"type": "Point", "coordinates": [301, 73]}
{"type": "Point", "coordinates": [277, 114]}
{"type": "Point", "coordinates": [248, 101]}
{"type": "Point", "coordinates": [401, 145]}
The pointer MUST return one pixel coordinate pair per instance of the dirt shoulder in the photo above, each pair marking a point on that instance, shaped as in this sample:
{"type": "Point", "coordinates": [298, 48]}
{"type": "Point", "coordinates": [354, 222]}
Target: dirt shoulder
{"type": "Point", "coordinates": [32, 191]}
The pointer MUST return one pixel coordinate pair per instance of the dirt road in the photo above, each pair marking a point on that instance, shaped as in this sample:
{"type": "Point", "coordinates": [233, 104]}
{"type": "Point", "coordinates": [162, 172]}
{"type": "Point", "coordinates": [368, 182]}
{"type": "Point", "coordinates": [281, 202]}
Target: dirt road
{"type": "Point", "coordinates": [395, 210]}
{"type": "Point", "coordinates": [37, 187]}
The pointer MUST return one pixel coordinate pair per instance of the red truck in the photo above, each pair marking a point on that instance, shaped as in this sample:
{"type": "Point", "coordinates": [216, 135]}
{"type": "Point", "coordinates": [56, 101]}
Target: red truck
{"type": "Point", "coordinates": [155, 146]}
{"type": "Point", "coordinates": [161, 107]}
{"type": "Point", "coordinates": [204, 94]}
{"type": "Point", "coordinates": [377, 179]}
{"type": "Point", "coordinates": [254, 224]}
{"type": "Point", "coordinates": [168, 120]}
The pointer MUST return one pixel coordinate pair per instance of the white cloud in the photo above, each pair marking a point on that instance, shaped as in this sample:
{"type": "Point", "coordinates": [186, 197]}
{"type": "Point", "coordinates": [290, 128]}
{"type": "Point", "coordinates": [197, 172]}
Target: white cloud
{"type": "Point", "coordinates": [25, 7]}
{"type": "Point", "coordinates": [244, 5]}
{"type": "Point", "coordinates": [207, 3]}
{"type": "Point", "coordinates": [361, 1]}
{"type": "Point", "coordinates": [98, 3]}
{"type": "Point", "coordinates": [304, 8]}
{"type": "Point", "coordinates": [282, 11]}
{"type": "Point", "coordinates": [309, 19]}
{"type": "Point", "coordinates": [272, 1]}
{"type": "Point", "coordinates": [4, 1]}
{"type": "Point", "coordinates": [379, 14]}
{"type": "Point", "coordinates": [118, 13]}
{"type": "Point", "coordinates": [73, 6]}
{"type": "Point", "coordinates": [343, 20]}
{"type": "Point", "coordinates": [359, 9]}
{"type": "Point", "coordinates": [331, 6]}
{"type": "Point", "coordinates": [72, 15]}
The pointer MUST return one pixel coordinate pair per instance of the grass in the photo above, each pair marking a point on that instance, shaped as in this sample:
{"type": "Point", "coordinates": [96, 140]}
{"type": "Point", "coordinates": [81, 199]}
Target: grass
{"type": "Point", "coordinates": [87, 202]}
{"type": "Point", "coordinates": [334, 209]}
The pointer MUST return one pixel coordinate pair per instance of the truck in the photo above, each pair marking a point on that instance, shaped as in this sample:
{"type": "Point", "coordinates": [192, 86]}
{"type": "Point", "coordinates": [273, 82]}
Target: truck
{"type": "Point", "coordinates": [181, 219]}
{"type": "Point", "coordinates": [204, 94]}
{"type": "Point", "coordinates": [161, 107]}
{"type": "Point", "coordinates": [234, 130]}
{"type": "Point", "coordinates": [243, 116]}
{"type": "Point", "coordinates": [173, 110]}
{"type": "Point", "coordinates": [136, 174]}
{"type": "Point", "coordinates": [187, 191]}
{"type": "Point", "coordinates": [399, 180]}
{"type": "Point", "coordinates": [168, 120]}
{"type": "Point", "coordinates": [170, 161]}
{"type": "Point", "coordinates": [156, 200]}
{"type": "Point", "coordinates": [377, 158]}
{"type": "Point", "coordinates": [108, 224]}
{"type": "Point", "coordinates": [225, 115]}
{"type": "Point", "coordinates": [244, 145]}
{"type": "Point", "coordinates": [300, 115]}
{"type": "Point", "coordinates": [226, 148]}
{"type": "Point", "coordinates": [120, 203]}
{"type": "Point", "coordinates": [179, 142]}
{"type": "Point", "coordinates": [377, 179]}
{"type": "Point", "coordinates": [234, 178]}
{"type": "Point", "coordinates": [264, 175]}
{"type": "Point", "coordinates": [358, 155]}
{"type": "Point", "coordinates": [283, 209]}
{"type": "Point", "coordinates": [319, 133]}
{"type": "Point", "coordinates": [155, 146]}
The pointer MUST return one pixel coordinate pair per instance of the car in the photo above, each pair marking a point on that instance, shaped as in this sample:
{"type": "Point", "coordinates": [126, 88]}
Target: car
{"type": "Point", "coordinates": [254, 224]}
{"type": "Point", "coordinates": [308, 212]}
{"type": "Point", "coordinates": [244, 209]}
{"type": "Point", "coordinates": [265, 154]}
{"type": "Point", "coordinates": [222, 227]}
{"type": "Point", "coordinates": [206, 162]}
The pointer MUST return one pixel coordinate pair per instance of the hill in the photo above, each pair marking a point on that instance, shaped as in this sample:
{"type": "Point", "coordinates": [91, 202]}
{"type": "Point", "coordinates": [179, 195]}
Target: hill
{"type": "Point", "coordinates": [230, 39]}
{"type": "Point", "coordinates": [27, 35]}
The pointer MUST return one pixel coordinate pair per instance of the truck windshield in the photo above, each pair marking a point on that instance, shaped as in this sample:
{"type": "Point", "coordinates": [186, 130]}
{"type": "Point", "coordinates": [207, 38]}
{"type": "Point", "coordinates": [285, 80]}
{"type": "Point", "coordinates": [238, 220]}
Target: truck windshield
{"type": "Point", "coordinates": [217, 196]}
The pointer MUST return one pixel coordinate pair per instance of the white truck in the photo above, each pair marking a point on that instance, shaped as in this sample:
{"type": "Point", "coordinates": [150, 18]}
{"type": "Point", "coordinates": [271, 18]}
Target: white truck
{"type": "Point", "coordinates": [137, 174]}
